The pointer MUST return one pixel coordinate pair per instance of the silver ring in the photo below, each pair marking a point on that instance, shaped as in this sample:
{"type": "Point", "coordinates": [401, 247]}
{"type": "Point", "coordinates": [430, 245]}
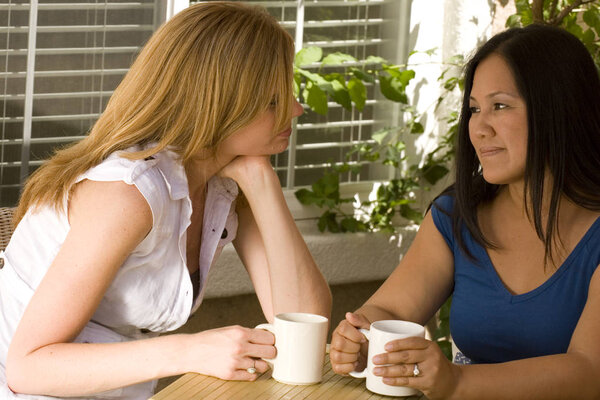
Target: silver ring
{"type": "Point", "coordinates": [252, 369]}
{"type": "Point", "coordinates": [416, 370]}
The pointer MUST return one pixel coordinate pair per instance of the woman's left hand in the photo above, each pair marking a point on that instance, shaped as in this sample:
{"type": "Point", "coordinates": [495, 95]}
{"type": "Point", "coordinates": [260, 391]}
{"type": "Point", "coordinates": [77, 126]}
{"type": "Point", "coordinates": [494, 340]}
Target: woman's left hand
{"type": "Point", "coordinates": [245, 169]}
{"type": "Point", "coordinates": [437, 377]}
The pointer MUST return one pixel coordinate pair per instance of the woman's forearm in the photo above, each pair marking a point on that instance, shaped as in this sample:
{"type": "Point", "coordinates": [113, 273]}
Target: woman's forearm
{"type": "Point", "coordinates": [79, 369]}
{"type": "Point", "coordinates": [296, 282]}
{"type": "Point", "coordinates": [561, 376]}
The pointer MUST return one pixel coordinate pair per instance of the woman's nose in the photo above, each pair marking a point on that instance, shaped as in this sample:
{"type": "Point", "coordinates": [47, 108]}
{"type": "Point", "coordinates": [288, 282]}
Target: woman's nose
{"type": "Point", "coordinates": [480, 126]}
{"type": "Point", "coordinates": [297, 109]}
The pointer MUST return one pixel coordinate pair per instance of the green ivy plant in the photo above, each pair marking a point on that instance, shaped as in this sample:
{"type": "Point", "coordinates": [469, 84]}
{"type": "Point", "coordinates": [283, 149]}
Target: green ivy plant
{"type": "Point", "coordinates": [387, 147]}
{"type": "Point", "coordinates": [579, 17]}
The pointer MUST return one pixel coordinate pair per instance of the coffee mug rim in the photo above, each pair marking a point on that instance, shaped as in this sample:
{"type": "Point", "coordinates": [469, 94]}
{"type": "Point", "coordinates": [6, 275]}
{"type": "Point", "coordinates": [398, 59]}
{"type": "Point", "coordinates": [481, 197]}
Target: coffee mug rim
{"type": "Point", "coordinates": [414, 328]}
{"type": "Point", "coordinates": [314, 318]}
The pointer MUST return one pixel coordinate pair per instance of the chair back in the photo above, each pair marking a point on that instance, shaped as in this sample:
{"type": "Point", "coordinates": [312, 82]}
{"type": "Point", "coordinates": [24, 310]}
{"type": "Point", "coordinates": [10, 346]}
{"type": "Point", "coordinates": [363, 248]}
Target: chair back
{"type": "Point", "coordinates": [6, 229]}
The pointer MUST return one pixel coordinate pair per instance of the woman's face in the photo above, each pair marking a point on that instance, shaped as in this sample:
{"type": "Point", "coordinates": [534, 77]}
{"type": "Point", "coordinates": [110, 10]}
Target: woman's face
{"type": "Point", "coordinates": [257, 139]}
{"type": "Point", "coordinates": [498, 123]}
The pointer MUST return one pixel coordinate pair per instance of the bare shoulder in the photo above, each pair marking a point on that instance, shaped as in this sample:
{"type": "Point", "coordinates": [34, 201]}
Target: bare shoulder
{"type": "Point", "coordinates": [102, 203]}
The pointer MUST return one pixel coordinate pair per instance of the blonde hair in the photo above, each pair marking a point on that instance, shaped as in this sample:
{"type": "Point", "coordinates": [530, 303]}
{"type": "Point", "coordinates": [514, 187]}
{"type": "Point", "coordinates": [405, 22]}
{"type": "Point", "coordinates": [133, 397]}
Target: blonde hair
{"type": "Point", "coordinates": [203, 75]}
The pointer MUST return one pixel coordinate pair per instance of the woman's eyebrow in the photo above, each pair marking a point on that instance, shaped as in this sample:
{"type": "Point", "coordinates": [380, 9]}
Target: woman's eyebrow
{"type": "Point", "coordinates": [496, 93]}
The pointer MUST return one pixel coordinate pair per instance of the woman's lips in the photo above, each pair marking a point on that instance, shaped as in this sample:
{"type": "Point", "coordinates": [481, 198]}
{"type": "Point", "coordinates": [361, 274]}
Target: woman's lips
{"type": "Point", "coordinates": [489, 151]}
{"type": "Point", "coordinates": [286, 133]}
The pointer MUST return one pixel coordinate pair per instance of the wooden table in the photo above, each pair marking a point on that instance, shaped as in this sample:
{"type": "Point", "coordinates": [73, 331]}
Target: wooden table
{"type": "Point", "coordinates": [195, 387]}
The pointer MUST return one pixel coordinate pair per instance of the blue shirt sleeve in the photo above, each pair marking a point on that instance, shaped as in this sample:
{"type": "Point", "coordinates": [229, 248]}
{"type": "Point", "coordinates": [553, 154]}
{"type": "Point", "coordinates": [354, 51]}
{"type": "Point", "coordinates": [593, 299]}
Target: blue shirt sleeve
{"type": "Point", "coordinates": [441, 212]}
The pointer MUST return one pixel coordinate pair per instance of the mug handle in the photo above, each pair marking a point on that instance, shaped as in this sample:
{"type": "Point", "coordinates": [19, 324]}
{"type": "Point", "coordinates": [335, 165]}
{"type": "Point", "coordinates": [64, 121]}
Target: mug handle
{"type": "Point", "coordinates": [363, 373]}
{"type": "Point", "coordinates": [270, 328]}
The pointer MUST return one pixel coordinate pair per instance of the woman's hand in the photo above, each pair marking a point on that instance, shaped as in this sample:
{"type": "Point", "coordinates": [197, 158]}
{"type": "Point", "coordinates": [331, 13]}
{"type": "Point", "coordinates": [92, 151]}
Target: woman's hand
{"type": "Point", "coordinates": [228, 352]}
{"type": "Point", "coordinates": [245, 169]}
{"type": "Point", "coordinates": [437, 377]}
{"type": "Point", "coordinates": [348, 345]}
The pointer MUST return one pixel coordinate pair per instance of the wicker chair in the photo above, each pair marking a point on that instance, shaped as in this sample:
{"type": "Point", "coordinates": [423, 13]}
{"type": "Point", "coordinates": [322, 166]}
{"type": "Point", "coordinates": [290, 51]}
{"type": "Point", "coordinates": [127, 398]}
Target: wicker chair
{"type": "Point", "coordinates": [6, 229]}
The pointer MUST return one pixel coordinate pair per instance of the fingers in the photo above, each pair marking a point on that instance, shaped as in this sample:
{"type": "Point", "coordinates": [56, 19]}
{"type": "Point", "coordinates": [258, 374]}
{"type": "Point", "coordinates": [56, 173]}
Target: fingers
{"type": "Point", "coordinates": [358, 320]}
{"type": "Point", "coordinates": [399, 357]}
{"type": "Point", "coordinates": [399, 370]}
{"type": "Point", "coordinates": [261, 336]}
{"type": "Point", "coordinates": [346, 344]}
{"type": "Point", "coordinates": [260, 351]}
{"type": "Point", "coordinates": [348, 331]}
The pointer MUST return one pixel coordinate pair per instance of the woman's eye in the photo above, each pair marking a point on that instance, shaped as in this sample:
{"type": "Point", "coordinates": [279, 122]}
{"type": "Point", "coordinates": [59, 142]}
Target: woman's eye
{"type": "Point", "coordinates": [499, 106]}
{"type": "Point", "coordinates": [273, 103]}
{"type": "Point", "coordinates": [473, 109]}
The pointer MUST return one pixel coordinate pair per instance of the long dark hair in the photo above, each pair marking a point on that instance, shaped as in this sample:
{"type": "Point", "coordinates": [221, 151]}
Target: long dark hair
{"type": "Point", "coordinates": [559, 82]}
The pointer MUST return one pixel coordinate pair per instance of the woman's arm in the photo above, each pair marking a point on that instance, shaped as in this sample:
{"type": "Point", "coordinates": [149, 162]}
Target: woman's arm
{"type": "Point", "coordinates": [413, 292]}
{"type": "Point", "coordinates": [283, 272]}
{"type": "Point", "coordinates": [108, 220]}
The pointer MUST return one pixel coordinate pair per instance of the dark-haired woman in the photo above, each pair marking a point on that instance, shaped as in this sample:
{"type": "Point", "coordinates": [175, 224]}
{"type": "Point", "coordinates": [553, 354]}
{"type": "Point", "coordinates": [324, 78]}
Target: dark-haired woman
{"type": "Point", "coordinates": [515, 241]}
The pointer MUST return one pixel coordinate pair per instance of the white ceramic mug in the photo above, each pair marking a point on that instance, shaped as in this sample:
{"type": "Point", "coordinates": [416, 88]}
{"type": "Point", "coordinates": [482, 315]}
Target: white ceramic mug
{"type": "Point", "coordinates": [300, 340]}
{"type": "Point", "coordinates": [380, 333]}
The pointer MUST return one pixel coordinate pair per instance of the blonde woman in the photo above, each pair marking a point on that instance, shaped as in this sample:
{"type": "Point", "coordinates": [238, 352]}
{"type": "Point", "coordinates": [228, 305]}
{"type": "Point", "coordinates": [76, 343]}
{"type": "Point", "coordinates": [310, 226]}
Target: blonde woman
{"type": "Point", "coordinates": [116, 234]}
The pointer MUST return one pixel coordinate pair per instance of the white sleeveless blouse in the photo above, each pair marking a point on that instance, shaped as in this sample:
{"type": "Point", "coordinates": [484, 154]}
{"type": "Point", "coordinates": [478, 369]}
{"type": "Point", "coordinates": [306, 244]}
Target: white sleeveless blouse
{"type": "Point", "coordinates": [152, 291]}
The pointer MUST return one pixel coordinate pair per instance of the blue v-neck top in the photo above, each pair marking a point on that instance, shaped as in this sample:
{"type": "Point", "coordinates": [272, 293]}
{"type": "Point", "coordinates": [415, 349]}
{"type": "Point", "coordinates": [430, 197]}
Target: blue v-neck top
{"type": "Point", "coordinates": [489, 324]}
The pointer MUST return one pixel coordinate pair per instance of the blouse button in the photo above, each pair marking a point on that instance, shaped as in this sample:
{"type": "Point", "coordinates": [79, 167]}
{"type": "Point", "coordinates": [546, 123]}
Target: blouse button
{"type": "Point", "coordinates": [224, 234]}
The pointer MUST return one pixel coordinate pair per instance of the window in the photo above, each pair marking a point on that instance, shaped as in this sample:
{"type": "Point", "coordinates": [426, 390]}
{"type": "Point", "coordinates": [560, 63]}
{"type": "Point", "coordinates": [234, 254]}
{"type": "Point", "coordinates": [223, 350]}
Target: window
{"type": "Point", "coordinates": [81, 50]}
{"type": "Point", "coordinates": [55, 82]}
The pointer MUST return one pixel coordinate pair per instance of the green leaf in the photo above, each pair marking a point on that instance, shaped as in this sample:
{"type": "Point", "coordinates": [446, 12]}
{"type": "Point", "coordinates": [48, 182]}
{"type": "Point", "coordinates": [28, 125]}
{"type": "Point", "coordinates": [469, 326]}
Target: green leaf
{"type": "Point", "coordinates": [417, 128]}
{"type": "Point", "coordinates": [435, 173]}
{"type": "Point", "coordinates": [446, 347]}
{"type": "Point", "coordinates": [591, 17]}
{"type": "Point", "coordinates": [308, 55]}
{"type": "Point", "coordinates": [337, 58]}
{"type": "Point", "coordinates": [411, 214]}
{"type": "Point", "coordinates": [322, 223]}
{"type": "Point", "coordinates": [406, 76]}
{"type": "Point", "coordinates": [392, 89]}
{"type": "Point", "coordinates": [375, 60]}
{"type": "Point", "coordinates": [328, 185]}
{"type": "Point", "coordinates": [350, 224]}
{"type": "Point", "coordinates": [358, 92]}
{"type": "Point", "coordinates": [328, 221]}
{"type": "Point", "coordinates": [362, 75]}
{"type": "Point", "coordinates": [380, 136]}
{"type": "Point", "coordinates": [305, 196]}
{"type": "Point", "coordinates": [297, 84]}
{"type": "Point", "coordinates": [339, 93]}
{"type": "Point", "coordinates": [588, 38]}
{"type": "Point", "coordinates": [315, 98]}
{"type": "Point", "coordinates": [513, 21]}
{"type": "Point", "coordinates": [451, 83]}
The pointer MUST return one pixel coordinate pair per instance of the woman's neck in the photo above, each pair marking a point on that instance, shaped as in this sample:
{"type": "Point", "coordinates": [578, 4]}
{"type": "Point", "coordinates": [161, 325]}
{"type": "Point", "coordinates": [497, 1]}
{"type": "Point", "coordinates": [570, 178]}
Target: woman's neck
{"type": "Point", "coordinates": [201, 169]}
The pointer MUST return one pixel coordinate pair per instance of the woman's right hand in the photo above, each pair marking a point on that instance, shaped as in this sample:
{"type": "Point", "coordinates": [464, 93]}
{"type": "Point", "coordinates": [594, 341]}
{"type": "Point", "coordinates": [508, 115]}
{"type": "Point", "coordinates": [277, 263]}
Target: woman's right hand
{"type": "Point", "coordinates": [348, 351]}
{"type": "Point", "coordinates": [228, 352]}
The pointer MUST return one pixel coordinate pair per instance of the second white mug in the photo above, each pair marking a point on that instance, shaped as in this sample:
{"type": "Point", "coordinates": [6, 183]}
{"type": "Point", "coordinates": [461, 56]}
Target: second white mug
{"type": "Point", "coordinates": [379, 334]}
{"type": "Point", "coordinates": [300, 340]}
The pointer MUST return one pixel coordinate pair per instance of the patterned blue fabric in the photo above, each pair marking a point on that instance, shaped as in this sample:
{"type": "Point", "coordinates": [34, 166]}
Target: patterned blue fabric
{"type": "Point", "coordinates": [459, 358]}
{"type": "Point", "coordinates": [489, 324]}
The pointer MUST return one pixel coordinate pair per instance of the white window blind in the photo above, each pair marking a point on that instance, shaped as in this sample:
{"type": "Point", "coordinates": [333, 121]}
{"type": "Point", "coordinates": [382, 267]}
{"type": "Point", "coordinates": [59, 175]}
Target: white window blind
{"type": "Point", "coordinates": [357, 27]}
{"type": "Point", "coordinates": [59, 63]}
{"type": "Point", "coordinates": [82, 49]}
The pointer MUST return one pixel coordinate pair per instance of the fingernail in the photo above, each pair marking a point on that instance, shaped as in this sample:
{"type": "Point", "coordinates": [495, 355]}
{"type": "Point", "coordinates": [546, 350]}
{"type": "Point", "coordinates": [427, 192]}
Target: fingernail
{"type": "Point", "coordinates": [377, 371]}
{"type": "Point", "coordinates": [377, 360]}
{"type": "Point", "coordinates": [363, 340]}
{"type": "Point", "coordinates": [389, 347]}
{"type": "Point", "coordinates": [388, 381]}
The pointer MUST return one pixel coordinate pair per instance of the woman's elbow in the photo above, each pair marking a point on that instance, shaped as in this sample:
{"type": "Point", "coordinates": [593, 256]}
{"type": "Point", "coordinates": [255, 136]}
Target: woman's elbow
{"type": "Point", "coordinates": [17, 378]}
